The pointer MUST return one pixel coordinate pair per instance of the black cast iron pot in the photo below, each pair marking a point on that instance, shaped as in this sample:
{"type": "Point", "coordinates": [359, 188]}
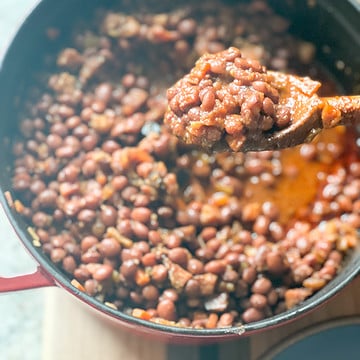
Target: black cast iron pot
{"type": "Point", "coordinates": [332, 25]}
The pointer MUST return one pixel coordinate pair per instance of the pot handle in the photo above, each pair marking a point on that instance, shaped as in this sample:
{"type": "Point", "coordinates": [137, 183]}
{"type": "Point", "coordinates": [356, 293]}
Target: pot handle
{"type": "Point", "coordinates": [26, 281]}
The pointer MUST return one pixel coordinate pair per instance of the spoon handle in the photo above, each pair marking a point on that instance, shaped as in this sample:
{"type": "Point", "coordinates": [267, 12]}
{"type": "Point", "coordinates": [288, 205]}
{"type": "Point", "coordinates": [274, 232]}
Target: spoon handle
{"type": "Point", "coordinates": [340, 110]}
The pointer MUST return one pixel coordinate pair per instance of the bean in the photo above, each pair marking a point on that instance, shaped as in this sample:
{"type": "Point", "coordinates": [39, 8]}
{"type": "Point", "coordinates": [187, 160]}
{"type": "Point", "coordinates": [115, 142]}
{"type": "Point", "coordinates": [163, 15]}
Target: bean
{"type": "Point", "coordinates": [108, 215]}
{"type": "Point", "coordinates": [207, 99]}
{"type": "Point", "coordinates": [252, 315]}
{"type": "Point", "coordinates": [141, 214]}
{"type": "Point", "coordinates": [47, 198]}
{"type": "Point", "coordinates": [195, 266]}
{"type": "Point", "coordinates": [214, 244]}
{"type": "Point", "coordinates": [142, 246]}
{"type": "Point", "coordinates": [251, 211]}
{"type": "Point", "coordinates": [225, 320]}
{"type": "Point", "coordinates": [119, 182]}
{"type": "Point", "coordinates": [230, 276]}
{"type": "Point", "coordinates": [249, 275]}
{"type": "Point", "coordinates": [261, 225]}
{"type": "Point", "coordinates": [149, 259]}
{"type": "Point", "coordinates": [81, 131]}
{"type": "Point", "coordinates": [272, 297]}
{"type": "Point", "coordinates": [91, 287]}
{"type": "Point", "coordinates": [170, 294]}
{"type": "Point", "coordinates": [159, 273]}
{"type": "Point", "coordinates": [269, 107]}
{"type": "Point", "coordinates": [91, 256]}
{"type": "Point", "coordinates": [81, 273]}
{"type": "Point", "coordinates": [150, 293]}
{"type": "Point", "coordinates": [103, 272]}
{"type": "Point", "coordinates": [154, 237]}
{"type": "Point", "coordinates": [261, 286]}
{"type": "Point", "coordinates": [131, 254]}
{"type": "Point", "coordinates": [69, 264]}
{"type": "Point", "coordinates": [172, 241]}
{"type": "Point", "coordinates": [166, 310]}
{"type": "Point", "coordinates": [270, 210]}
{"type": "Point", "coordinates": [179, 256]}
{"type": "Point", "coordinates": [301, 272]}
{"type": "Point", "coordinates": [187, 27]}
{"type": "Point", "coordinates": [89, 142]}
{"type": "Point", "coordinates": [98, 106]}
{"type": "Point", "coordinates": [41, 220]}
{"type": "Point", "coordinates": [57, 255]}
{"type": "Point", "coordinates": [140, 230]}
{"type": "Point", "coordinates": [208, 233]}
{"type": "Point", "coordinates": [192, 288]}
{"type": "Point", "coordinates": [258, 301]}
{"type": "Point", "coordinates": [275, 262]}
{"type": "Point", "coordinates": [110, 146]}
{"type": "Point", "coordinates": [109, 247]}
{"type": "Point", "coordinates": [232, 258]}
{"type": "Point", "coordinates": [135, 297]}
{"type": "Point", "coordinates": [215, 267]}
{"type": "Point", "coordinates": [128, 269]}
{"type": "Point", "coordinates": [86, 215]}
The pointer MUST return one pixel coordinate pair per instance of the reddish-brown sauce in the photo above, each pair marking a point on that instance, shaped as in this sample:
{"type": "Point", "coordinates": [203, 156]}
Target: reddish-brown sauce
{"type": "Point", "coordinates": [295, 191]}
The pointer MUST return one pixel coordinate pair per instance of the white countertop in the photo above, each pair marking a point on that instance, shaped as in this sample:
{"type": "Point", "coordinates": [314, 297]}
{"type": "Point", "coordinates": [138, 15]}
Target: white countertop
{"type": "Point", "coordinates": [20, 312]}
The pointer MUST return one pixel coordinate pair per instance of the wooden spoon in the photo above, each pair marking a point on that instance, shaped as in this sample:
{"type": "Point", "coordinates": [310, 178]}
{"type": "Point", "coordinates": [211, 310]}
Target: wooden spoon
{"type": "Point", "coordinates": [228, 102]}
{"type": "Point", "coordinates": [309, 114]}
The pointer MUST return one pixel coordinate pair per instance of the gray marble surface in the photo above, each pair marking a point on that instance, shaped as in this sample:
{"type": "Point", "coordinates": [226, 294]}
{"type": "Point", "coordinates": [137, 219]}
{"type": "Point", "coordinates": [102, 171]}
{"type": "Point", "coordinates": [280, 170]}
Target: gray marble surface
{"type": "Point", "coordinates": [20, 312]}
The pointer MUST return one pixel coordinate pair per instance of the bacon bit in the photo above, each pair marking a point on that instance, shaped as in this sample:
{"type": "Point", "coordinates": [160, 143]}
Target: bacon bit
{"type": "Point", "coordinates": [296, 296]}
{"type": "Point", "coordinates": [330, 115]}
{"type": "Point", "coordinates": [219, 199]}
{"type": "Point", "coordinates": [141, 314]}
{"type": "Point", "coordinates": [123, 159]}
{"type": "Point", "coordinates": [9, 198]}
{"type": "Point", "coordinates": [313, 283]}
{"type": "Point", "coordinates": [212, 321]}
{"type": "Point", "coordinates": [178, 276]}
{"type": "Point", "coordinates": [101, 123]}
{"type": "Point", "coordinates": [19, 207]}
{"type": "Point", "coordinates": [107, 192]}
{"type": "Point", "coordinates": [77, 285]}
{"type": "Point", "coordinates": [111, 305]}
{"type": "Point", "coordinates": [141, 277]}
{"type": "Point", "coordinates": [101, 156]}
{"type": "Point", "coordinates": [123, 240]}
{"type": "Point", "coordinates": [207, 283]}
{"type": "Point", "coordinates": [101, 178]}
{"type": "Point", "coordinates": [158, 34]}
{"type": "Point", "coordinates": [36, 240]}
{"type": "Point", "coordinates": [217, 303]}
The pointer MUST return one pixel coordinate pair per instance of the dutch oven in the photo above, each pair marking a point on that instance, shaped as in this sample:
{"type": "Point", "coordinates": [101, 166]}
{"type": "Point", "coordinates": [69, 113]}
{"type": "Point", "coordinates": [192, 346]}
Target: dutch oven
{"type": "Point", "coordinates": [331, 25]}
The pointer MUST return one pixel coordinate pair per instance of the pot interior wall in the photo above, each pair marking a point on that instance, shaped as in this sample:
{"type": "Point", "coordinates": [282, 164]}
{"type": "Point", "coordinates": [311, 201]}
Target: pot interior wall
{"type": "Point", "coordinates": [336, 34]}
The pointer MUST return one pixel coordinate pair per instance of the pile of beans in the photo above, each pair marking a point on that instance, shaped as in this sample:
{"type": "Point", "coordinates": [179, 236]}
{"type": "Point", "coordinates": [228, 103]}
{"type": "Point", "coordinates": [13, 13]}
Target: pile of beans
{"type": "Point", "coordinates": [161, 230]}
{"type": "Point", "coordinates": [223, 100]}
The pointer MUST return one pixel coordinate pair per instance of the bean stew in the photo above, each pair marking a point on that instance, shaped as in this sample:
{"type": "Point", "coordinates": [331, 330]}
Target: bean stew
{"type": "Point", "coordinates": [165, 231]}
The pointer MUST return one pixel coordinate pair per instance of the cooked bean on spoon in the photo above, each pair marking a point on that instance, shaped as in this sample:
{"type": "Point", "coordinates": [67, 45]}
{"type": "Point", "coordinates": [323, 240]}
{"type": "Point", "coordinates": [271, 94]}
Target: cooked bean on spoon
{"type": "Point", "coordinates": [230, 103]}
